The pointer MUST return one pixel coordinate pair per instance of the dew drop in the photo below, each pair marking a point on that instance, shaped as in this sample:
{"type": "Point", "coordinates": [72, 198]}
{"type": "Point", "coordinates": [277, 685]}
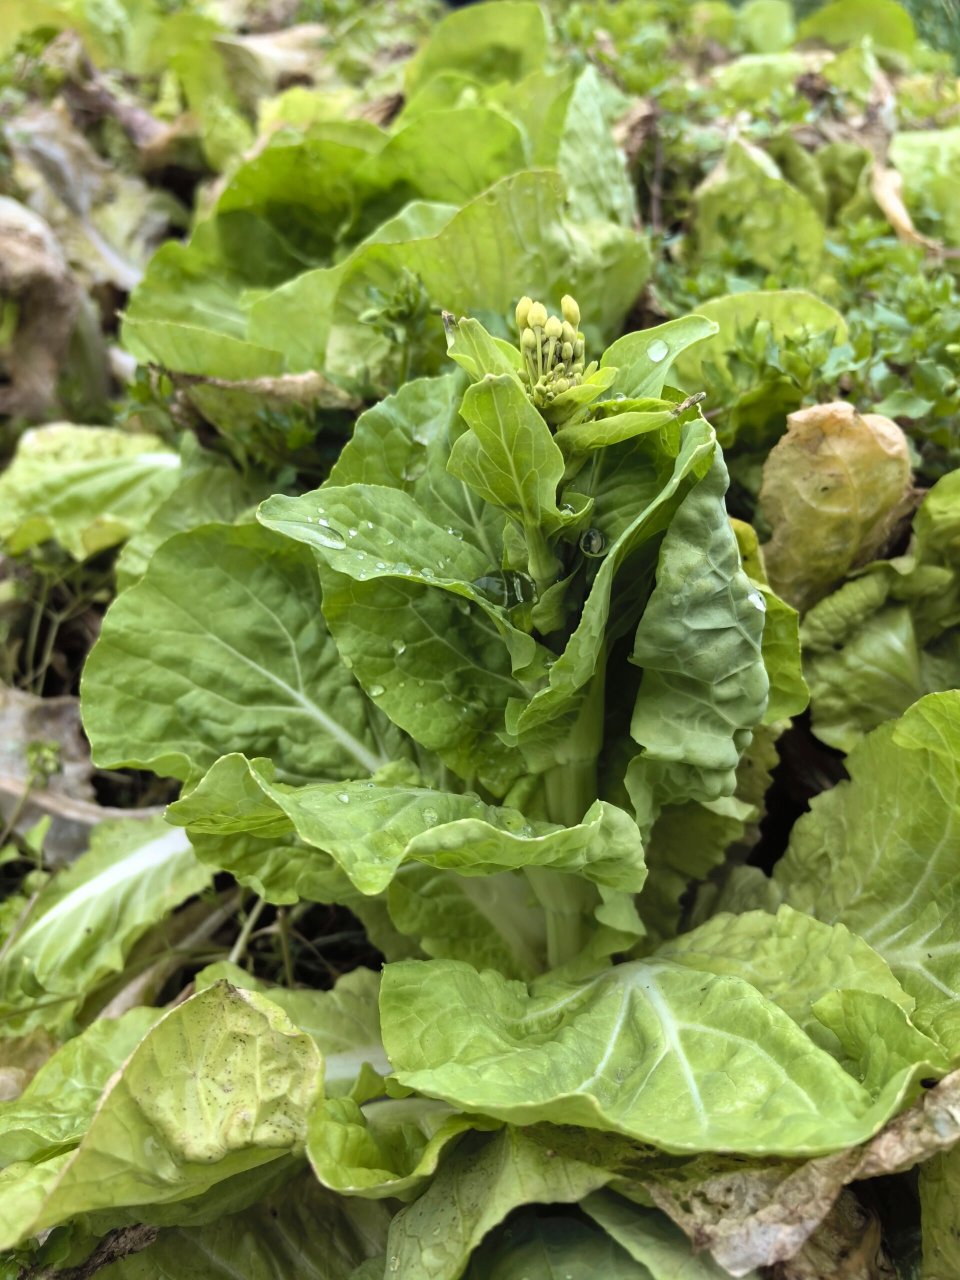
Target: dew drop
{"type": "Point", "coordinates": [331, 538]}
{"type": "Point", "coordinates": [309, 519]}
{"type": "Point", "coordinates": [757, 600]}
{"type": "Point", "coordinates": [456, 533]}
{"type": "Point", "coordinates": [361, 555]}
{"type": "Point", "coordinates": [657, 350]}
{"type": "Point", "coordinates": [394, 1263]}
{"type": "Point", "coordinates": [430, 817]}
{"type": "Point", "coordinates": [368, 523]}
{"type": "Point", "coordinates": [375, 690]}
{"type": "Point", "coordinates": [381, 564]}
{"type": "Point", "coordinates": [343, 797]}
{"type": "Point", "coordinates": [426, 571]}
{"type": "Point", "coordinates": [398, 647]}
{"type": "Point", "coordinates": [352, 533]}
{"type": "Point", "coordinates": [402, 567]}
{"type": "Point", "coordinates": [593, 543]}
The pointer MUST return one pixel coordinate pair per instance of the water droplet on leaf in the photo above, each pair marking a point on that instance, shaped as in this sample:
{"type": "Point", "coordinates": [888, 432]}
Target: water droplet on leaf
{"type": "Point", "coordinates": [398, 647]}
{"type": "Point", "coordinates": [757, 600]}
{"type": "Point", "coordinates": [657, 350]}
{"type": "Point", "coordinates": [375, 690]}
{"type": "Point", "coordinates": [507, 588]}
{"type": "Point", "coordinates": [593, 543]}
{"type": "Point", "coordinates": [328, 537]}
{"type": "Point", "coordinates": [430, 817]}
{"type": "Point", "coordinates": [343, 797]}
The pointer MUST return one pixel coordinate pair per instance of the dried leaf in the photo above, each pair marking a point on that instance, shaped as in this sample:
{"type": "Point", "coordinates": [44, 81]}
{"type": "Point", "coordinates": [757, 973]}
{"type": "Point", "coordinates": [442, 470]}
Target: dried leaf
{"type": "Point", "coordinates": [886, 187]}
{"type": "Point", "coordinates": [749, 1216]}
{"type": "Point", "coordinates": [34, 276]}
{"type": "Point", "coordinates": [834, 488]}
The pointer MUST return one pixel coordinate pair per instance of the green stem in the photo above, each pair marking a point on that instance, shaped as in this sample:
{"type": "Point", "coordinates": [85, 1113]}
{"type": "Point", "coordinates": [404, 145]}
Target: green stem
{"type": "Point", "coordinates": [243, 937]}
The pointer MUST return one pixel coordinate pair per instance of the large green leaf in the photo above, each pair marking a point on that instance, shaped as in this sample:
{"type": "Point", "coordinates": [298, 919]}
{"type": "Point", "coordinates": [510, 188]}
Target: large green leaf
{"type": "Point", "coordinates": [704, 688]}
{"type": "Point", "coordinates": [406, 601]}
{"type": "Point", "coordinates": [87, 917]}
{"type": "Point", "coordinates": [791, 958]}
{"type": "Point", "coordinates": [880, 853]}
{"type": "Point", "coordinates": [86, 488]}
{"type": "Point", "coordinates": [222, 1084]}
{"type": "Point", "coordinates": [371, 830]}
{"type": "Point", "coordinates": [634, 1051]}
{"type": "Point", "coordinates": [222, 640]}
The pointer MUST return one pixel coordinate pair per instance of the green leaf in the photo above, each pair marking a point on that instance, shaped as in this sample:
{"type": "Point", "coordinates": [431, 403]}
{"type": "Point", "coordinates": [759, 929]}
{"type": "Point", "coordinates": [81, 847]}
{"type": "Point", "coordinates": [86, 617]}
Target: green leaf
{"type": "Point", "coordinates": [747, 198]}
{"type": "Point", "coordinates": [223, 639]}
{"type": "Point", "coordinates": [652, 1239]}
{"type": "Point", "coordinates": [599, 621]}
{"type": "Point", "coordinates": [791, 958]}
{"type": "Point", "coordinates": [87, 917]}
{"type": "Point", "coordinates": [704, 687]}
{"type": "Point", "coordinates": [845, 22]}
{"type": "Point", "coordinates": [640, 373]}
{"type": "Point", "coordinates": [299, 1231]}
{"type": "Point", "coordinates": [878, 853]}
{"type": "Point", "coordinates": [371, 830]}
{"type": "Point", "coordinates": [505, 42]}
{"type": "Point", "coordinates": [85, 488]}
{"type": "Point", "coordinates": [478, 1184]}
{"type": "Point", "coordinates": [344, 1022]}
{"type": "Point", "coordinates": [491, 921]}
{"type": "Point", "coordinates": [222, 1084]}
{"type": "Point", "coordinates": [547, 1246]}
{"type": "Point", "coordinates": [56, 1107]}
{"type": "Point", "coordinates": [404, 599]}
{"type": "Point", "coordinates": [790, 313]}
{"type": "Point", "coordinates": [939, 1188]}
{"type": "Point", "coordinates": [633, 1051]}
{"type": "Point", "coordinates": [209, 490]}
{"type": "Point", "coordinates": [508, 456]}
{"type": "Point", "coordinates": [388, 1148]}
{"type": "Point", "coordinates": [478, 263]}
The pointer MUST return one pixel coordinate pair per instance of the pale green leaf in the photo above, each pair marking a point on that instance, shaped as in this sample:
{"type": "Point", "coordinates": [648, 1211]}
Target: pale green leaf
{"type": "Point", "coordinates": [87, 917]}
{"type": "Point", "coordinates": [634, 1051]}
{"type": "Point", "coordinates": [85, 488]}
{"type": "Point", "coordinates": [223, 640]}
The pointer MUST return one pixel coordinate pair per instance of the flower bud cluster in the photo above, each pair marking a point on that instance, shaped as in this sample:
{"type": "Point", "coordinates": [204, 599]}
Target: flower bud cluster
{"type": "Point", "coordinates": [552, 349]}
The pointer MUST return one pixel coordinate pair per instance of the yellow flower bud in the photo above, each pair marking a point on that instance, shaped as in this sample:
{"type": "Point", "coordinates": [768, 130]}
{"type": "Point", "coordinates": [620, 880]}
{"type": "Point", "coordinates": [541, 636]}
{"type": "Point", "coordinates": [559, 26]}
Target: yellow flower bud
{"type": "Point", "coordinates": [523, 311]}
{"type": "Point", "coordinates": [566, 352]}
{"type": "Point", "coordinates": [553, 328]}
{"type": "Point", "coordinates": [569, 332]}
{"type": "Point", "coordinates": [537, 315]}
{"type": "Point", "coordinates": [571, 312]}
{"type": "Point", "coordinates": [528, 340]}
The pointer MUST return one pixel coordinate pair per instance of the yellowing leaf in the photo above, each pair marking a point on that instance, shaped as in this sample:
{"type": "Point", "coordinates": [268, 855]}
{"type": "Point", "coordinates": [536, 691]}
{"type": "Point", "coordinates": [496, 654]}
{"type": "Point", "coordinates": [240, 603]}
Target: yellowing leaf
{"type": "Point", "coordinates": [834, 487]}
